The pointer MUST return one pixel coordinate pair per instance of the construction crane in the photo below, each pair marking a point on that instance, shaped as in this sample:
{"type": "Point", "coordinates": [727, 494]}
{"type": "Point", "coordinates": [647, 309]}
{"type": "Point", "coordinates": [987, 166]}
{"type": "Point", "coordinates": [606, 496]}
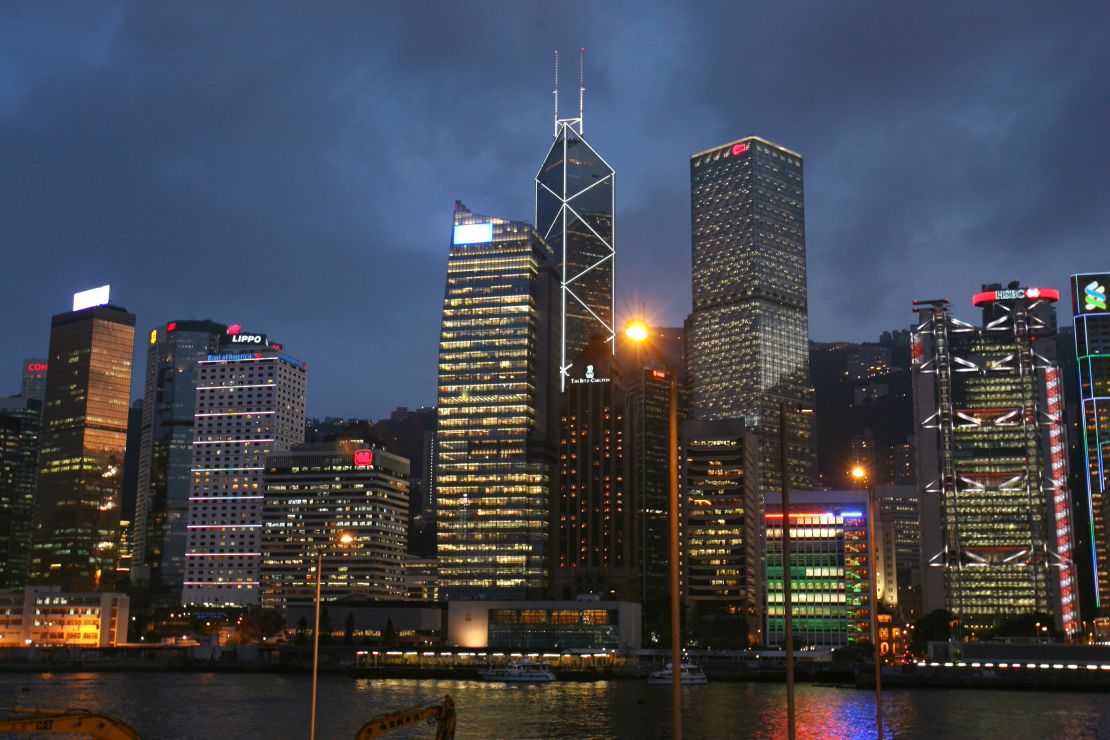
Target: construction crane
{"type": "Point", "coordinates": [65, 722]}
{"type": "Point", "coordinates": [443, 713]}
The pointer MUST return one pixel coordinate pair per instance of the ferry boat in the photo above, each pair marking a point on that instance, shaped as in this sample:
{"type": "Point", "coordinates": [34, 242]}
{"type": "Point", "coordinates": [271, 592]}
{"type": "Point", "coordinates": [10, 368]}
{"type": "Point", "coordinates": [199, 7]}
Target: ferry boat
{"type": "Point", "coordinates": [520, 671]}
{"type": "Point", "coordinates": [691, 675]}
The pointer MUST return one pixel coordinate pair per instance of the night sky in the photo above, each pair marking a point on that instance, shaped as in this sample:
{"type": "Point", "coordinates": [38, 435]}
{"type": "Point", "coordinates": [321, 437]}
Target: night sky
{"type": "Point", "coordinates": [292, 166]}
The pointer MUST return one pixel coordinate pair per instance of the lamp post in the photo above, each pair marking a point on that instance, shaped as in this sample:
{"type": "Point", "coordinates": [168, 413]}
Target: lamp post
{"type": "Point", "coordinates": [787, 606]}
{"type": "Point", "coordinates": [860, 474]}
{"type": "Point", "coordinates": [344, 539]}
{"type": "Point", "coordinates": [637, 331]}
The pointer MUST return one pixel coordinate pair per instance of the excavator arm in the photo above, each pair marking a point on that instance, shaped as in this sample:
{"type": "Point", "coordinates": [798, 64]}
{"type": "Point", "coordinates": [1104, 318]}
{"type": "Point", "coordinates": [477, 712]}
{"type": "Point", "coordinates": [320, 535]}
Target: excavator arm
{"type": "Point", "coordinates": [66, 722]}
{"type": "Point", "coordinates": [443, 713]}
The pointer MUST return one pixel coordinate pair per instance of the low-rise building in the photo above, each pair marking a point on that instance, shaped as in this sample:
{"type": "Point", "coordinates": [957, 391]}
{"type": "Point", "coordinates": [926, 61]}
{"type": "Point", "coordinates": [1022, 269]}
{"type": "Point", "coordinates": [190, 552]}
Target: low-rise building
{"type": "Point", "coordinates": [45, 616]}
{"type": "Point", "coordinates": [544, 625]}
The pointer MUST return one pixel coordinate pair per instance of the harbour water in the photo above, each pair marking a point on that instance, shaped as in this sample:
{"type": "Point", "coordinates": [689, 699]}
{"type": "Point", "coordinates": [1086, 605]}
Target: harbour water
{"type": "Point", "coordinates": [224, 705]}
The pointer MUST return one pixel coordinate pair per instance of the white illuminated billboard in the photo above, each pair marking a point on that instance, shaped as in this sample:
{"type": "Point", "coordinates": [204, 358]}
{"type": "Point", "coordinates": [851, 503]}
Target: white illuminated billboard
{"type": "Point", "coordinates": [90, 298]}
{"type": "Point", "coordinates": [473, 233]}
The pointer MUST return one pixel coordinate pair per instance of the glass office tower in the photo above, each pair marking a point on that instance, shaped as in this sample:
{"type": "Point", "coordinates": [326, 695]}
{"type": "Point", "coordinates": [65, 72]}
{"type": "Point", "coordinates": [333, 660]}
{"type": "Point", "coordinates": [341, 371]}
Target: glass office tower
{"type": "Point", "coordinates": [1091, 319]}
{"type": "Point", "coordinates": [19, 451]}
{"type": "Point", "coordinates": [166, 449]}
{"type": "Point", "coordinates": [496, 428]}
{"type": "Point", "coordinates": [84, 436]}
{"type": "Point", "coordinates": [574, 214]}
{"type": "Point", "coordinates": [989, 407]}
{"type": "Point", "coordinates": [748, 336]}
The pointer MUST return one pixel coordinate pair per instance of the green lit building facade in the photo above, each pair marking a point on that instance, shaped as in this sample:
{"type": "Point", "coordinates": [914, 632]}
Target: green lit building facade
{"type": "Point", "coordinates": [830, 568]}
{"type": "Point", "coordinates": [1091, 319]}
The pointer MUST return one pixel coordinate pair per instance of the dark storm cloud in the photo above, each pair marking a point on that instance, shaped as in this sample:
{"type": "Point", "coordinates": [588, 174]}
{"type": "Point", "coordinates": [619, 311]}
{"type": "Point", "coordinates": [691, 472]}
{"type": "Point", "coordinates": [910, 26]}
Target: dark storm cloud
{"type": "Point", "coordinates": [292, 167]}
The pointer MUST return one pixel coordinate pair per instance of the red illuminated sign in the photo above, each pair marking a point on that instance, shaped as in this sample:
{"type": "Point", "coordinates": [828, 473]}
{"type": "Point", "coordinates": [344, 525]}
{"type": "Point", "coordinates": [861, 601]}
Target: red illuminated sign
{"type": "Point", "coordinates": [275, 346]}
{"type": "Point", "coordinates": [234, 329]}
{"type": "Point", "coordinates": [36, 367]}
{"type": "Point", "coordinates": [1033, 294]}
{"type": "Point", "coordinates": [738, 149]}
{"type": "Point", "coordinates": [364, 458]}
{"type": "Point", "coordinates": [172, 326]}
{"type": "Point", "coordinates": [657, 374]}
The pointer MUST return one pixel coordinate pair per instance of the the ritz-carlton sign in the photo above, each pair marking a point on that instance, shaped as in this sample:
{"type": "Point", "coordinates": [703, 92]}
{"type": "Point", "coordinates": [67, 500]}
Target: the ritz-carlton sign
{"type": "Point", "coordinates": [589, 377]}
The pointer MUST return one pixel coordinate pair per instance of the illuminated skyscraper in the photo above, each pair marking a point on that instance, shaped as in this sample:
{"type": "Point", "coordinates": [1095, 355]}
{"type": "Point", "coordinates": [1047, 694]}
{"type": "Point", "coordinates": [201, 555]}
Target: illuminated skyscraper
{"type": "Point", "coordinates": [1091, 318]}
{"type": "Point", "coordinates": [315, 495]}
{"type": "Point", "coordinates": [989, 408]}
{"type": "Point", "coordinates": [574, 214]}
{"type": "Point", "coordinates": [721, 523]}
{"type": "Point", "coordinates": [594, 522]}
{"type": "Point", "coordinates": [20, 419]}
{"type": "Point", "coordinates": [166, 450]}
{"type": "Point", "coordinates": [250, 402]}
{"type": "Point", "coordinates": [748, 336]}
{"type": "Point", "coordinates": [496, 427]}
{"type": "Point", "coordinates": [84, 436]}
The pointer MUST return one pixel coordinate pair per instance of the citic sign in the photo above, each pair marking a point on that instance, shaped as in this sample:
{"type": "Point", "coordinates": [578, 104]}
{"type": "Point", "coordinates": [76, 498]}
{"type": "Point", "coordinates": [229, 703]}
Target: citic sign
{"type": "Point", "coordinates": [36, 367]}
{"type": "Point", "coordinates": [364, 458]}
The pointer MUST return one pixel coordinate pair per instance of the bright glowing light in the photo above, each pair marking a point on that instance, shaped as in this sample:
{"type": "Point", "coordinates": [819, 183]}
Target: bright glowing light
{"type": "Point", "coordinates": [637, 331]}
{"type": "Point", "coordinates": [473, 233]}
{"type": "Point", "coordinates": [90, 298]}
{"type": "Point", "coordinates": [346, 538]}
{"type": "Point", "coordinates": [859, 472]}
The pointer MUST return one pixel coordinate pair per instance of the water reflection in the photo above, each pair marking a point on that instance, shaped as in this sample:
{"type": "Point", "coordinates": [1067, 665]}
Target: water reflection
{"type": "Point", "coordinates": [184, 705]}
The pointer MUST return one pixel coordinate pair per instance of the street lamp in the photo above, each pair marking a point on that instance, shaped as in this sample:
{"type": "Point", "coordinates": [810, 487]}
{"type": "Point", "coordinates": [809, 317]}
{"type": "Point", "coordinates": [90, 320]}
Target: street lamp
{"type": "Point", "coordinates": [787, 605]}
{"type": "Point", "coordinates": [344, 538]}
{"type": "Point", "coordinates": [637, 331]}
{"type": "Point", "coordinates": [860, 475]}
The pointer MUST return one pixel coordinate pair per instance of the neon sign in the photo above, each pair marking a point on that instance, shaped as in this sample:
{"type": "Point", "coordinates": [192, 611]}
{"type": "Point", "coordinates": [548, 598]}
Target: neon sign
{"type": "Point", "coordinates": [36, 367]}
{"type": "Point", "coordinates": [364, 458]}
{"type": "Point", "coordinates": [738, 149]}
{"type": "Point", "coordinates": [990, 296]}
{"type": "Point", "coordinates": [171, 327]}
{"type": "Point", "coordinates": [234, 329]}
{"type": "Point", "coordinates": [1095, 296]}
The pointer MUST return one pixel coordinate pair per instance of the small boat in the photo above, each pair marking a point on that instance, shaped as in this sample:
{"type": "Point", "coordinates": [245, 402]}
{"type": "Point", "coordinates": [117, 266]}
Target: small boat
{"type": "Point", "coordinates": [691, 675]}
{"type": "Point", "coordinates": [520, 671]}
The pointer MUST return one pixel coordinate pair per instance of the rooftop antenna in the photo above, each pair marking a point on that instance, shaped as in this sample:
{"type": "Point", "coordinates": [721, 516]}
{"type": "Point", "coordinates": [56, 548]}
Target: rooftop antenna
{"type": "Point", "coordinates": [581, 88]}
{"type": "Point", "coordinates": [555, 92]}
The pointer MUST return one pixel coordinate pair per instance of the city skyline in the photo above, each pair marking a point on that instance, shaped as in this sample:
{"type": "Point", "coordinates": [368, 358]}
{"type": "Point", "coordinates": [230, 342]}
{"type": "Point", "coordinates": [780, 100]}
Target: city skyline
{"type": "Point", "coordinates": [150, 182]}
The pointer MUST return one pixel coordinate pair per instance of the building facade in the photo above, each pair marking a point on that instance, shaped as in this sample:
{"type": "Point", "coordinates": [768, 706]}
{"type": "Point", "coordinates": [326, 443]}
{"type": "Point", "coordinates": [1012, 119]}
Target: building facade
{"type": "Point", "coordinates": [989, 406]}
{"type": "Point", "coordinates": [748, 336]}
{"type": "Point", "coordinates": [20, 419]}
{"type": "Point", "coordinates": [84, 438]}
{"type": "Point", "coordinates": [721, 522]}
{"type": "Point", "coordinates": [44, 616]}
{"type": "Point", "coordinates": [581, 624]}
{"type": "Point", "coordinates": [497, 426]}
{"type": "Point", "coordinates": [1091, 321]}
{"type": "Point", "coordinates": [594, 525]}
{"type": "Point", "coordinates": [250, 403]}
{"type": "Point", "coordinates": [317, 495]}
{"type": "Point", "coordinates": [575, 203]}
{"type": "Point", "coordinates": [34, 378]}
{"type": "Point", "coordinates": [830, 566]}
{"type": "Point", "coordinates": [165, 451]}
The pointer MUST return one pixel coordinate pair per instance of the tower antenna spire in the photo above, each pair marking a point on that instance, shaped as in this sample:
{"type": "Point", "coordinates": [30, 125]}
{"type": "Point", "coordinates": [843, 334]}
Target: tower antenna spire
{"type": "Point", "coordinates": [581, 89]}
{"type": "Point", "coordinates": [555, 92]}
